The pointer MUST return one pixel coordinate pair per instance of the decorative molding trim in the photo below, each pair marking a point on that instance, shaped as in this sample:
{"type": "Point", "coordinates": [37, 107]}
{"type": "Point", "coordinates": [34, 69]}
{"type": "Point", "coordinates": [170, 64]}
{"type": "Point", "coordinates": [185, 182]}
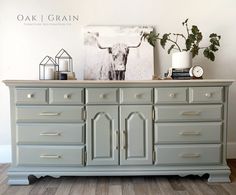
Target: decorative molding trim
{"type": "Point", "coordinates": [231, 150]}
{"type": "Point", "coordinates": [5, 153]}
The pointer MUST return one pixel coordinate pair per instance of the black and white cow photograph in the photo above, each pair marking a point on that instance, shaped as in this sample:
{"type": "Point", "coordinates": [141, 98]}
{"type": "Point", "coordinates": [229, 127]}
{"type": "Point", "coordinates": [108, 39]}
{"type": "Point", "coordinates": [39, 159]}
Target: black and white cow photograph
{"type": "Point", "coordinates": [117, 53]}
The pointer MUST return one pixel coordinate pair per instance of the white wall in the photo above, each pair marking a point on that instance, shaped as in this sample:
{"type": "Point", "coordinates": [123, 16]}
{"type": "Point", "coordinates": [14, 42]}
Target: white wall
{"type": "Point", "coordinates": [22, 47]}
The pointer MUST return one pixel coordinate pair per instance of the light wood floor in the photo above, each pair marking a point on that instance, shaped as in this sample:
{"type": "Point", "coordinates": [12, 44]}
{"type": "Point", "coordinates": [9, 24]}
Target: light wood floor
{"type": "Point", "coordinates": [164, 185]}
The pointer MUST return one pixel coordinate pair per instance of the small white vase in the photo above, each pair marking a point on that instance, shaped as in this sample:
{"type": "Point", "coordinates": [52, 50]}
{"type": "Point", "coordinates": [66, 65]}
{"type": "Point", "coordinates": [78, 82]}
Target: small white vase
{"type": "Point", "coordinates": [182, 60]}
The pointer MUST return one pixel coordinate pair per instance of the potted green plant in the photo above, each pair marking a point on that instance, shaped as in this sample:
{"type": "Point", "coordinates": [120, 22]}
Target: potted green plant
{"type": "Point", "coordinates": [192, 39]}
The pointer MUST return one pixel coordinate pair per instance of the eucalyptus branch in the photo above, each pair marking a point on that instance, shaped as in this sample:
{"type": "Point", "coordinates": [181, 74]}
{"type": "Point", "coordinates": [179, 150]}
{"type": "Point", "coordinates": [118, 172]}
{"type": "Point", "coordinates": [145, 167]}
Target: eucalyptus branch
{"type": "Point", "coordinates": [192, 40]}
{"type": "Point", "coordinates": [186, 25]}
{"type": "Point", "coordinates": [181, 35]}
{"type": "Point", "coordinates": [175, 44]}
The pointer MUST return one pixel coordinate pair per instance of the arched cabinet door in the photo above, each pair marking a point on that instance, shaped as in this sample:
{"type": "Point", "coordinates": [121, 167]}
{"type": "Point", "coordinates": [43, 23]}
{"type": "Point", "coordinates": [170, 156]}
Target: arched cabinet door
{"type": "Point", "coordinates": [102, 135]}
{"type": "Point", "coordinates": [136, 135]}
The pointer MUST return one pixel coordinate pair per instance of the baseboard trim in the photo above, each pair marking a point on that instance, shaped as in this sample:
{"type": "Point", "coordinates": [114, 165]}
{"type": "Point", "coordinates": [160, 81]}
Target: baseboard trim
{"type": "Point", "coordinates": [231, 150]}
{"type": "Point", "coordinates": [5, 153]}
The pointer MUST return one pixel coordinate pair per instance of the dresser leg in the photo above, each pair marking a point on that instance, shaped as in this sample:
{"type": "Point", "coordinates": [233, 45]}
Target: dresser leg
{"type": "Point", "coordinates": [18, 180]}
{"type": "Point", "coordinates": [219, 177]}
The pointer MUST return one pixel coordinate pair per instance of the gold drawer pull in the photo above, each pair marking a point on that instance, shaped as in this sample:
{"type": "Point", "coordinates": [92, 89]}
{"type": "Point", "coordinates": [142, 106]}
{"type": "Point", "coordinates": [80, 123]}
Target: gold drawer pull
{"type": "Point", "coordinates": [138, 96]}
{"type": "Point", "coordinates": [124, 139]}
{"type": "Point", "coordinates": [49, 134]}
{"type": "Point", "coordinates": [189, 133]}
{"type": "Point", "coordinates": [49, 114]}
{"type": "Point", "coordinates": [191, 113]}
{"type": "Point", "coordinates": [189, 155]}
{"type": "Point", "coordinates": [50, 156]}
{"type": "Point", "coordinates": [67, 96]}
{"type": "Point", "coordinates": [208, 95]}
{"type": "Point", "coordinates": [30, 95]}
{"type": "Point", "coordinates": [172, 95]}
{"type": "Point", "coordinates": [117, 140]}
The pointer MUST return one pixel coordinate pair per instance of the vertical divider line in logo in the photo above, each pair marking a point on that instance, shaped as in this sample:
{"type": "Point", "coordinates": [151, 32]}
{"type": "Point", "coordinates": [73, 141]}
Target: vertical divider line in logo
{"type": "Point", "coordinates": [41, 18]}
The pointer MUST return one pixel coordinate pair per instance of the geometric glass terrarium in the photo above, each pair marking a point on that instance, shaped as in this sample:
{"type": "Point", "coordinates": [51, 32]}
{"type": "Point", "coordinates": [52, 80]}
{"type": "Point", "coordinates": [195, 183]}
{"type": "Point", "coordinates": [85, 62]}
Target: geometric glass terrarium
{"type": "Point", "coordinates": [48, 69]}
{"type": "Point", "coordinates": [64, 60]}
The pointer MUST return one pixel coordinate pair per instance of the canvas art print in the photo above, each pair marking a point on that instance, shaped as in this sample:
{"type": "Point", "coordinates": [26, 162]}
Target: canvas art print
{"type": "Point", "coordinates": [117, 53]}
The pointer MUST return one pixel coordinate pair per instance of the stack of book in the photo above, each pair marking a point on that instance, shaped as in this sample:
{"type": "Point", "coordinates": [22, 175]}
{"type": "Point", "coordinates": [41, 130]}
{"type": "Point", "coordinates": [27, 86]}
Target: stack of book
{"type": "Point", "coordinates": [179, 74]}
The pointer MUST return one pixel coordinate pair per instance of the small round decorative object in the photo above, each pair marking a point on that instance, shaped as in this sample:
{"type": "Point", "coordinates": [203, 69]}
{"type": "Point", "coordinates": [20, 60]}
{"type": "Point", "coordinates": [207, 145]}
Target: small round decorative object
{"type": "Point", "coordinates": [196, 71]}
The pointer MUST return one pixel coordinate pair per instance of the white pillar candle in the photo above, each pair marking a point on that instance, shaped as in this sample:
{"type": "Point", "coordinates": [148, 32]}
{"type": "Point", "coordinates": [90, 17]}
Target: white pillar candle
{"type": "Point", "coordinates": [64, 65]}
{"type": "Point", "coordinates": [49, 73]}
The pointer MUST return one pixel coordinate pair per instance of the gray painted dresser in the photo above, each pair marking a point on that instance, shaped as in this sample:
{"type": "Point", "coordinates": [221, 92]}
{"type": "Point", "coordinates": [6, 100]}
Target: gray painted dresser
{"type": "Point", "coordinates": [104, 128]}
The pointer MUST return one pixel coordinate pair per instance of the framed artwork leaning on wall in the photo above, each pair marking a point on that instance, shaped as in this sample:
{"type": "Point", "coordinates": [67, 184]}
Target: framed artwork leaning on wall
{"type": "Point", "coordinates": [117, 53]}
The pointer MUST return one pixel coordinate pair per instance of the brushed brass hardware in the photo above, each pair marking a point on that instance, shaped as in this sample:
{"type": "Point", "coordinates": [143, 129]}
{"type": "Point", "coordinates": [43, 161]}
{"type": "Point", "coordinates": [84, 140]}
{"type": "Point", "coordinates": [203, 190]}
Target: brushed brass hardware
{"type": "Point", "coordinates": [189, 133]}
{"type": "Point", "coordinates": [153, 114]}
{"type": "Point", "coordinates": [84, 114]}
{"type": "Point", "coordinates": [117, 140]}
{"type": "Point", "coordinates": [85, 157]}
{"type": "Point", "coordinates": [154, 156]}
{"type": "Point", "coordinates": [124, 140]}
{"type": "Point", "coordinates": [49, 114]}
{"type": "Point", "coordinates": [190, 155]}
{"type": "Point", "coordinates": [50, 134]}
{"type": "Point", "coordinates": [50, 156]}
{"type": "Point", "coordinates": [191, 113]}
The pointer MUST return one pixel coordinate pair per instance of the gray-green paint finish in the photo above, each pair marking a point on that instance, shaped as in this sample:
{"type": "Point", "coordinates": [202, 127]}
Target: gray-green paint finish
{"type": "Point", "coordinates": [204, 132]}
{"type": "Point", "coordinates": [188, 154]}
{"type": "Point", "coordinates": [188, 113]}
{"type": "Point", "coordinates": [50, 155]}
{"type": "Point", "coordinates": [66, 95]}
{"type": "Point", "coordinates": [49, 113]}
{"type": "Point", "coordinates": [205, 94]}
{"type": "Point", "coordinates": [102, 132]}
{"type": "Point", "coordinates": [178, 95]}
{"type": "Point", "coordinates": [136, 95]}
{"type": "Point", "coordinates": [136, 135]}
{"type": "Point", "coordinates": [18, 175]}
{"type": "Point", "coordinates": [31, 96]}
{"type": "Point", "coordinates": [47, 133]}
{"type": "Point", "coordinates": [102, 95]}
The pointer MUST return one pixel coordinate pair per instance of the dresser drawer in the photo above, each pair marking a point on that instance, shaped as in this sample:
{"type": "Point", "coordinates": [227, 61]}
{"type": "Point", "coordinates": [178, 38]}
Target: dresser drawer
{"type": "Point", "coordinates": [50, 155]}
{"type": "Point", "coordinates": [101, 95]}
{"type": "Point", "coordinates": [188, 113]}
{"type": "Point", "coordinates": [171, 95]}
{"type": "Point", "coordinates": [66, 96]}
{"type": "Point", "coordinates": [136, 95]}
{"type": "Point", "coordinates": [31, 96]}
{"type": "Point", "coordinates": [50, 133]}
{"type": "Point", "coordinates": [49, 113]}
{"type": "Point", "coordinates": [188, 154]}
{"type": "Point", "coordinates": [205, 94]}
{"type": "Point", "coordinates": [204, 132]}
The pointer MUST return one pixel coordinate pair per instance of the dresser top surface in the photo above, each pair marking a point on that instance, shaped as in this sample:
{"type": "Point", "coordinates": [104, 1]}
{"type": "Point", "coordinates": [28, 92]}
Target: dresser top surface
{"type": "Point", "coordinates": [126, 83]}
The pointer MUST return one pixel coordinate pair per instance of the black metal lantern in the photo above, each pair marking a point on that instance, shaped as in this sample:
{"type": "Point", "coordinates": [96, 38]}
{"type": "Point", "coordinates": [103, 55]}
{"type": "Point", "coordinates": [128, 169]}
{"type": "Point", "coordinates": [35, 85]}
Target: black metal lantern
{"type": "Point", "coordinates": [48, 69]}
{"type": "Point", "coordinates": [64, 60]}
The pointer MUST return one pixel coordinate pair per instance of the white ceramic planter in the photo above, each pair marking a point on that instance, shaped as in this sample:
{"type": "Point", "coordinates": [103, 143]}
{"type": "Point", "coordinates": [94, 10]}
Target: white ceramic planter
{"type": "Point", "coordinates": [182, 60]}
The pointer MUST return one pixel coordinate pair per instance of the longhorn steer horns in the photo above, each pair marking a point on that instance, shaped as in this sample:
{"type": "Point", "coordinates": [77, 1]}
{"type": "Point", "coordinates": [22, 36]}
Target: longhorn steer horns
{"type": "Point", "coordinates": [134, 46]}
